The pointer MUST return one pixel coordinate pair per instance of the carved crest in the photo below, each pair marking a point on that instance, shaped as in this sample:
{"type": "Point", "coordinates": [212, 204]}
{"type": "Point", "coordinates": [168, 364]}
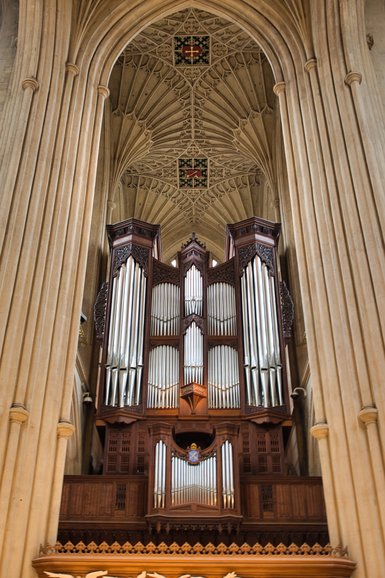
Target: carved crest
{"type": "Point", "coordinates": [193, 239]}
{"type": "Point", "coordinates": [194, 454]}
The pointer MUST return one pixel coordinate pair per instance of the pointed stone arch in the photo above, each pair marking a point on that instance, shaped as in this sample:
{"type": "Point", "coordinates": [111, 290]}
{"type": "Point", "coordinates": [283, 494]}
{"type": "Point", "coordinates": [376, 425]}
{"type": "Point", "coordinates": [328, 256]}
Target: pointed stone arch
{"type": "Point", "coordinates": [333, 149]}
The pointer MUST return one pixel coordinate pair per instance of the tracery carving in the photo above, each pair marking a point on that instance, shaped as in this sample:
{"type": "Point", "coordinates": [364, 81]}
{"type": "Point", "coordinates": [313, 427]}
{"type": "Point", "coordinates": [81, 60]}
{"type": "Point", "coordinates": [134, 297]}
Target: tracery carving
{"type": "Point", "coordinates": [222, 273]}
{"type": "Point", "coordinates": [266, 254]}
{"type": "Point", "coordinates": [287, 309]}
{"type": "Point", "coordinates": [163, 273]}
{"type": "Point", "coordinates": [100, 311]}
{"type": "Point", "coordinates": [121, 254]}
{"type": "Point", "coordinates": [190, 319]}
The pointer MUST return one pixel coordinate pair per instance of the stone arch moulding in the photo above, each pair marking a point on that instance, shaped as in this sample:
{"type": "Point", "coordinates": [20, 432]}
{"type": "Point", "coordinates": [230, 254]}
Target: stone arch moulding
{"type": "Point", "coordinates": [98, 35]}
{"type": "Point", "coordinates": [306, 98]}
{"type": "Point", "coordinates": [271, 24]}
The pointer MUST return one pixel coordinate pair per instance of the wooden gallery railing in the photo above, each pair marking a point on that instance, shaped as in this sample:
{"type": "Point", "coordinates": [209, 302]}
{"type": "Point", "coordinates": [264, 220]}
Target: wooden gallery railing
{"type": "Point", "coordinates": [121, 501]}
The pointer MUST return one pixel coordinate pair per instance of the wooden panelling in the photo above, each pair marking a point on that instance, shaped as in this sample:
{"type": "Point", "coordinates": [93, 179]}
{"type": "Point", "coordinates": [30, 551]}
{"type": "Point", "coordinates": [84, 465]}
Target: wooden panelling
{"type": "Point", "coordinates": [282, 499]}
{"type": "Point", "coordinates": [293, 499]}
{"type": "Point", "coordinates": [103, 498]}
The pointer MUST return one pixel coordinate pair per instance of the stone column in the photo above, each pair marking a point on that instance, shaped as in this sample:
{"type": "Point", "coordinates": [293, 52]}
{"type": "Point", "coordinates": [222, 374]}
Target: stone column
{"type": "Point", "coordinates": [48, 173]}
{"type": "Point", "coordinates": [338, 210]}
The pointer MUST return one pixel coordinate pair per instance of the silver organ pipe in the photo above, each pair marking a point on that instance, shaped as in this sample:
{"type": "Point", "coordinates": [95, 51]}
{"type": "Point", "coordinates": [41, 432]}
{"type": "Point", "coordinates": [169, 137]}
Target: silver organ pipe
{"type": "Point", "coordinates": [193, 292]}
{"type": "Point", "coordinates": [165, 309]}
{"type": "Point", "coordinates": [193, 483]}
{"type": "Point", "coordinates": [160, 475]}
{"type": "Point", "coordinates": [227, 475]}
{"type": "Point", "coordinates": [163, 377]}
{"type": "Point", "coordinates": [193, 354]}
{"type": "Point", "coordinates": [124, 363]}
{"type": "Point", "coordinates": [221, 309]}
{"type": "Point", "coordinates": [223, 378]}
{"type": "Point", "coordinates": [262, 360]}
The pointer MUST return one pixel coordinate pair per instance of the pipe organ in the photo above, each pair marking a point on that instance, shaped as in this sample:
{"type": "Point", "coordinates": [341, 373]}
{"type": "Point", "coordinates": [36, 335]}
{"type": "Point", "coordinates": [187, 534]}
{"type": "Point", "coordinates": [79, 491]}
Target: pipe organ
{"type": "Point", "coordinates": [124, 363]}
{"type": "Point", "coordinates": [262, 358]}
{"type": "Point", "coordinates": [192, 374]}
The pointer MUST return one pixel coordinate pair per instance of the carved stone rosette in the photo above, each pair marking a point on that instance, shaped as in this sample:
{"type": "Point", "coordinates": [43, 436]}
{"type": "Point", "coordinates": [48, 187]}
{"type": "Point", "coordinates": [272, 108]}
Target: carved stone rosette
{"type": "Point", "coordinates": [121, 254]}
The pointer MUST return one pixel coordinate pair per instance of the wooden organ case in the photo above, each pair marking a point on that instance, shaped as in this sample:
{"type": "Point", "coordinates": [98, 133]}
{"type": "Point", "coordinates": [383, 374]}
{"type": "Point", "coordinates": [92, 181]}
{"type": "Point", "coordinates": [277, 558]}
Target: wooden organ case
{"type": "Point", "coordinates": [193, 389]}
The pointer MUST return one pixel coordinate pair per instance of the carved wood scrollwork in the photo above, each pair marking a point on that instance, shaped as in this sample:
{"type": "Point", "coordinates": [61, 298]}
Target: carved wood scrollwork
{"type": "Point", "coordinates": [188, 320]}
{"type": "Point", "coordinates": [222, 274]}
{"type": "Point", "coordinates": [164, 274]}
{"type": "Point", "coordinates": [100, 308]}
{"type": "Point", "coordinates": [121, 254]}
{"type": "Point", "coordinates": [193, 258]}
{"type": "Point", "coordinates": [266, 254]}
{"type": "Point", "coordinates": [287, 308]}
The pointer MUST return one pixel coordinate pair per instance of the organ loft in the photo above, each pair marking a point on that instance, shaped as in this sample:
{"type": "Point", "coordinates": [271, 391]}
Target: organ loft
{"type": "Point", "coordinates": [192, 405]}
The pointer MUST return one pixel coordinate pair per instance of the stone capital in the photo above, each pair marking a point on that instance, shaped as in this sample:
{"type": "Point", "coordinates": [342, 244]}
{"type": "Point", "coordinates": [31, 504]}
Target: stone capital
{"type": "Point", "coordinates": [18, 413]}
{"type": "Point", "coordinates": [72, 68]}
{"type": "Point", "coordinates": [353, 77]}
{"type": "Point", "coordinates": [368, 415]}
{"type": "Point", "coordinates": [104, 91]}
{"type": "Point", "coordinates": [279, 87]}
{"type": "Point", "coordinates": [31, 83]}
{"type": "Point", "coordinates": [310, 64]}
{"type": "Point", "coordinates": [65, 429]}
{"type": "Point", "coordinates": [320, 431]}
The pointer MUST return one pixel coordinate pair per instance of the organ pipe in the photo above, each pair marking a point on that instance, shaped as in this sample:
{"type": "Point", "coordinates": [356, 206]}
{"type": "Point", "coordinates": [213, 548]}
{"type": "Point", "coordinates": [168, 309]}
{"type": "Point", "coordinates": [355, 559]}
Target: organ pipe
{"type": "Point", "coordinates": [165, 309]}
{"type": "Point", "coordinates": [163, 377]}
{"type": "Point", "coordinates": [124, 362]}
{"type": "Point", "coordinates": [262, 359]}
{"type": "Point", "coordinates": [223, 378]}
{"type": "Point", "coordinates": [160, 475]}
{"type": "Point", "coordinates": [193, 354]}
{"type": "Point", "coordinates": [221, 309]}
{"type": "Point", "coordinates": [193, 292]}
{"type": "Point", "coordinates": [193, 483]}
{"type": "Point", "coordinates": [227, 475]}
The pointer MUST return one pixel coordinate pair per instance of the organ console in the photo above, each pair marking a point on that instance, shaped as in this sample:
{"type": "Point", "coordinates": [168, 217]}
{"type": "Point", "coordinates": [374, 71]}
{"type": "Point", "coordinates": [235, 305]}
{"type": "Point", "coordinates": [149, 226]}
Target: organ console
{"type": "Point", "coordinates": [192, 379]}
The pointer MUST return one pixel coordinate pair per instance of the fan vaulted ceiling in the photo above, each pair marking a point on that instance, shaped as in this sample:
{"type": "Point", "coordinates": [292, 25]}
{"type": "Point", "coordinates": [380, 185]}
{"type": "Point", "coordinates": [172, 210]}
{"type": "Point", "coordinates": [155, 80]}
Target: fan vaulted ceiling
{"type": "Point", "coordinates": [195, 87]}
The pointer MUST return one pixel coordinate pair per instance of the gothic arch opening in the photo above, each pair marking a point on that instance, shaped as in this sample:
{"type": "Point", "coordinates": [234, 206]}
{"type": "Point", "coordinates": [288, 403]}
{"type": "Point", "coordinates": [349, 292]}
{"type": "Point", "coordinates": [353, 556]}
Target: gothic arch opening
{"type": "Point", "coordinates": [332, 146]}
{"type": "Point", "coordinates": [192, 140]}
